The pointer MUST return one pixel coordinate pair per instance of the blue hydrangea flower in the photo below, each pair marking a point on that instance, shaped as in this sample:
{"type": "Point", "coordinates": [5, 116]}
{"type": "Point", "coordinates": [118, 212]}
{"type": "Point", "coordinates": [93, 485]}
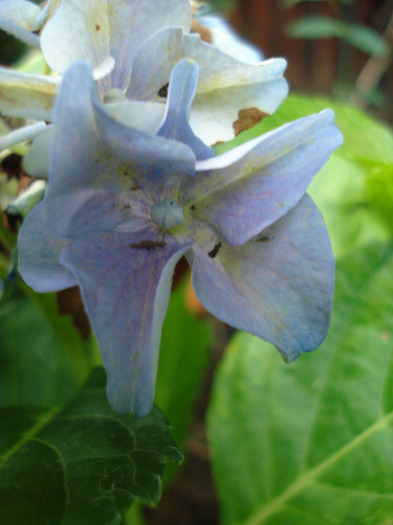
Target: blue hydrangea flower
{"type": "Point", "coordinates": [122, 207]}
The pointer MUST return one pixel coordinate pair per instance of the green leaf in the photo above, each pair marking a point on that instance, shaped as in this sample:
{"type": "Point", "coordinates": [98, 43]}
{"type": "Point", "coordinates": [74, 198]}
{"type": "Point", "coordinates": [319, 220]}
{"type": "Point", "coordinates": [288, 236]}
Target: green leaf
{"type": "Point", "coordinates": [340, 192]}
{"type": "Point", "coordinates": [81, 352]}
{"type": "Point", "coordinates": [368, 40]}
{"type": "Point", "coordinates": [81, 464]}
{"type": "Point", "coordinates": [361, 37]}
{"type": "Point", "coordinates": [291, 3]}
{"type": "Point", "coordinates": [312, 442]}
{"type": "Point", "coordinates": [379, 183]}
{"type": "Point", "coordinates": [315, 27]}
{"type": "Point", "coordinates": [35, 368]}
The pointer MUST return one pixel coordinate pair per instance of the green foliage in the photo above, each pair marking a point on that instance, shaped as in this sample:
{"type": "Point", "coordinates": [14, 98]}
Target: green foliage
{"type": "Point", "coordinates": [76, 462]}
{"type": "Point", "coordinates": [288, 441]}
{"type": "Point", "coordinates": [35, 369]}
{"type": "Point", "coordinates": [80, 464]}
{"type": "Point", "coordinates": [224, 5]}
{"type": "Point", "coordinates": [359, 36]}
{"type": "Point", "coordinates": [380, 189]}
{"type": "Point", "coordinates": [291, 3]}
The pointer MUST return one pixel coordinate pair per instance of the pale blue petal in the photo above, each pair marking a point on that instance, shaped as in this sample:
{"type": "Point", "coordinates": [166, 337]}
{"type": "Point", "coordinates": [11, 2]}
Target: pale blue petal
{"type": "Point", "coordinates": [182, 86]}
{"type": "Point", "coordinates": [75, 144]}
{"type": "Point", "coordinates": [72, 178]}
{"type": "Point", "coordinates": [250, 187]}
{"type": "Point", "coordinates": [125, 287]}
{"type": "Point", "coordinates": [92, 30]}
{"type": "Point", "coordinates": [278, 286]}
{"type": "Point", "coordinates": [40, 242]}
{"type": "Point", "coordinates": [147, 157]}
{"type": "Point", "coordinates": [225, 85]}
{"type": "Point", "coordinates": [92, 151]}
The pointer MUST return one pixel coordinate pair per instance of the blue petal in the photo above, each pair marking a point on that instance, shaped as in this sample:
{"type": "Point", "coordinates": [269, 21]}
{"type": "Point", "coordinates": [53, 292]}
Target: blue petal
{"type": "Point", "coordinates": [250, 187]}
{"type": "Point", "coordinates": [92, 150]}
{"type": "Point", "coordinates": [147, 157]}
{"type": "Point", "coordinates": [278, 286]}
{"type": "Point", "coordinates": [182, 87]}
{"type": "Point", "coordinates": [126, 281]}
{"type": "Point", "coordinates": [40, 242]}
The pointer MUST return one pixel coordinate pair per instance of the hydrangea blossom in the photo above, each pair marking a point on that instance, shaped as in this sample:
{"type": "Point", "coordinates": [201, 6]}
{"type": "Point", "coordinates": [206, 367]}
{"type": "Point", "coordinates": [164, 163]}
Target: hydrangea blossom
{"type": "Point", "coordinates": [122, 207]}
{"type": "Point", "coordinates": [146, 38]}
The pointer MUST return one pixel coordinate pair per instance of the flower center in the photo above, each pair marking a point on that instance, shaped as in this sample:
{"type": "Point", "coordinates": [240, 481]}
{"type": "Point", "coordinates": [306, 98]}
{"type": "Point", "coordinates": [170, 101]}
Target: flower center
{"type": "Point", "coordinates": [167, 214]}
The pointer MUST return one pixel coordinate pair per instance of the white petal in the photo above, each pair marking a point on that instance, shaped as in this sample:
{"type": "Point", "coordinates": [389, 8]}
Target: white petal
{"type": "Point", "coordinates": [20, 12]}
{"type": "Point", "coordinates": [36, 160]}
{"type": "Point", "coordinates": [143, 116]}
{"type": "Point", "coordinates": [225, 85]}
{"type": "Point", "coordinates": [25, 95]}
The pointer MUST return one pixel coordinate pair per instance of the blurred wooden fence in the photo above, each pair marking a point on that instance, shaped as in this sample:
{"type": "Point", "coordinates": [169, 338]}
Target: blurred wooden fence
{"type": "Point", "coordinates": [314, 66]}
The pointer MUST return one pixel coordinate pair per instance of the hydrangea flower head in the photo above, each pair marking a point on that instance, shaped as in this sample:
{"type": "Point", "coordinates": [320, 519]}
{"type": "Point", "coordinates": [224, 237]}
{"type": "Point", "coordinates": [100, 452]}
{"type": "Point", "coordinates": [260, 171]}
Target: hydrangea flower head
{"type": "Point", "coordinates": [123, 206]}
{"type": "Point", "coordinates": [145, 39]}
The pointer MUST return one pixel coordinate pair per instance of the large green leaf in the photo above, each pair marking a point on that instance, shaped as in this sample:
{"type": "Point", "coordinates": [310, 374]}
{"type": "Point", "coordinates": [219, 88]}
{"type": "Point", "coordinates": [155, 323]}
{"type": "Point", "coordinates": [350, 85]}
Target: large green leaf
{"type": "Point", "coordinates": [379, 183]}
{"type": "Point", "coordinates": [311, 443]}
{"type": "Point", "coordinates": [339, 192]}
{"type": "Point", "coordinates": [81, 464]}
{"type": "Point", "coordinates": [35, 366]}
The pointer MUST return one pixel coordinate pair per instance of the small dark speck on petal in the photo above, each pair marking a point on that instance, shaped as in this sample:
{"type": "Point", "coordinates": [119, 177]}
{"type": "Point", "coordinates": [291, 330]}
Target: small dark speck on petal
{"type": "Point", "coordinates": [192, 208]}
{"type": "Point", "coordinates": [215, 250]}
{"type": "Point", "coordinates": [163, 91]}
{"type": "Point", "coordinates": [98, 27]}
